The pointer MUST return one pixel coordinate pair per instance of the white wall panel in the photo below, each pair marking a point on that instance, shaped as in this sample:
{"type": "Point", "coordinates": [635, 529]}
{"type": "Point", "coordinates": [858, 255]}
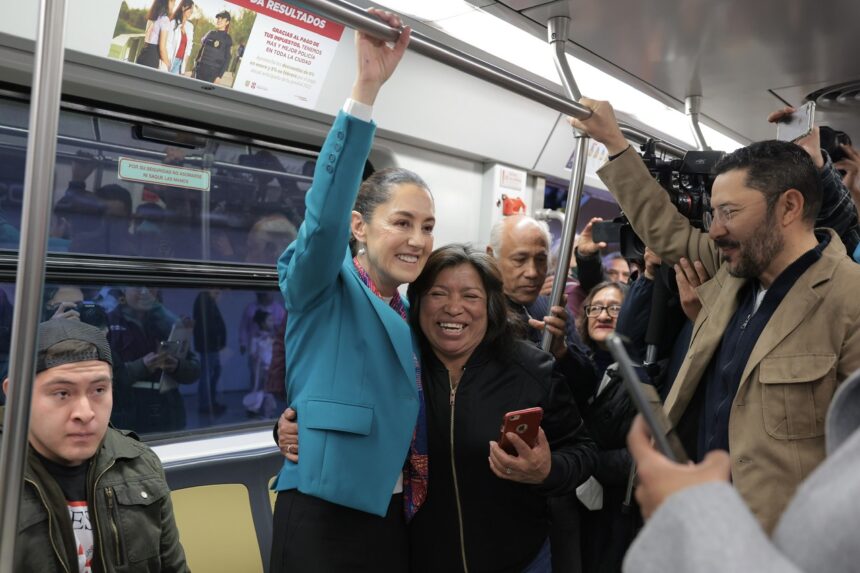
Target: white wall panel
{"type": "Point", "coordinates": [456, 187]}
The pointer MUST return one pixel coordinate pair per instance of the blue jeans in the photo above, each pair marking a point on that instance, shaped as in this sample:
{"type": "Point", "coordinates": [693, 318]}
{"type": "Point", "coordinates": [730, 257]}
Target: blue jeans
{"type": "Point", "coordinates": [542, 562]}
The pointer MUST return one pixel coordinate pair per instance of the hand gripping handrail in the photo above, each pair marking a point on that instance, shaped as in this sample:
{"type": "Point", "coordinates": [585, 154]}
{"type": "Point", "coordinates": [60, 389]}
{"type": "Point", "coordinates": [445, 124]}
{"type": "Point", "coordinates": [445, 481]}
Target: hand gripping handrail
{"type": "Point", "coordinates": [35, 221]}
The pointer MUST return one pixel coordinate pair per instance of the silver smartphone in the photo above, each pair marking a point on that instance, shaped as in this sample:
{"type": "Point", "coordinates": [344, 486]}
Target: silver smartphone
{"type": "Point", "coordinates": [648, 402]}
{"type": "Point", "coordinates": [799, 124]}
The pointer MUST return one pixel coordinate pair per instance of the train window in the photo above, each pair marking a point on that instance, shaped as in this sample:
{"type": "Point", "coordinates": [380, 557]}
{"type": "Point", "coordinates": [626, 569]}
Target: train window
{"type": "Point", "coordinates": [244, 207]}
{"type": "Point", "coordinates": [184, 358]}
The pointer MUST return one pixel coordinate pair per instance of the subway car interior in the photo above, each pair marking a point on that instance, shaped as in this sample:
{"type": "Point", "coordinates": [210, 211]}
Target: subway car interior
{"type": "Point", "coordinates": [200, 186]}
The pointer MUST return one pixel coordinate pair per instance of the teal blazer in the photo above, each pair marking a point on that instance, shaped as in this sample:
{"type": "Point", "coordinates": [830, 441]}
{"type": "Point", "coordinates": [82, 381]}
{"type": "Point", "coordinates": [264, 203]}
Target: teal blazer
{"type": "Point", "coordinates": [350, 356]}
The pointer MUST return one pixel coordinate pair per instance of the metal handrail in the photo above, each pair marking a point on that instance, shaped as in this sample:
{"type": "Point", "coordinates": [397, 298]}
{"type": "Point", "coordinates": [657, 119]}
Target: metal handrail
{"type": "Point", "coordinates": [637, 135]}
{"type": "Point", "coordinates": [557, 36]}
{"type": "Point", "coordinates": [692, 108]}
{"type": "Point", "coordinates": [36, 216]}
{"type": "Point", "coordinates": [355, 17]}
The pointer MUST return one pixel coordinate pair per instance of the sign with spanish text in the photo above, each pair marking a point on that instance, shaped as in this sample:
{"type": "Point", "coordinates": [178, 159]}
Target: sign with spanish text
{"type": "Point", "coordinates": [266, 47]}
{"type": "Point", "coordinates": [161, 174]}
{"type": "Point", "coordinates": [291, 54]}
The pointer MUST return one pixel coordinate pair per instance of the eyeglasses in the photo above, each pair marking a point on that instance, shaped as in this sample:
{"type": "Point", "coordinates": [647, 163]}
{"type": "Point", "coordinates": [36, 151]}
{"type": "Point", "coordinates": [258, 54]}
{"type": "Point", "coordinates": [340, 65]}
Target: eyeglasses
{"type": "Point", "coordinates": [594, 310]}
{"type": "Point", "coordinates": [725, 213]}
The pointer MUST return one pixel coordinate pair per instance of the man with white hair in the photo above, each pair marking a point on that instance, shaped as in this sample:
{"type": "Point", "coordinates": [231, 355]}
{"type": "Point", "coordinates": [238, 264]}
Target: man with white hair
{"type": "Point", "coordinates": [521, 246]}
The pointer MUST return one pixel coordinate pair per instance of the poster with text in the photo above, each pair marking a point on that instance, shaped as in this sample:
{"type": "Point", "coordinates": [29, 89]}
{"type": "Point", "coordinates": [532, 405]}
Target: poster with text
{"type": "Point", "coordinates": [265, 47]}
{"type": "Point", "coordinates": [290, 55]}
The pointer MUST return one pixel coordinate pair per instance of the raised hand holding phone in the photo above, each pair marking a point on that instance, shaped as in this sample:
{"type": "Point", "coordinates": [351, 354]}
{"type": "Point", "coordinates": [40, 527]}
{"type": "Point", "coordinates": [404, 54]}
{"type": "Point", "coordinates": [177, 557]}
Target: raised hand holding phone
{"type": "Point", "coordinates": [798, 124]}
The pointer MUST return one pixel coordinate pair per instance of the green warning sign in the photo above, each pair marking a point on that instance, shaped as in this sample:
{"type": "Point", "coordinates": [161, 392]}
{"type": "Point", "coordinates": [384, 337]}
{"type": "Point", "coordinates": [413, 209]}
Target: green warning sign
{"type": "Point", "coordinates": [161, 174]}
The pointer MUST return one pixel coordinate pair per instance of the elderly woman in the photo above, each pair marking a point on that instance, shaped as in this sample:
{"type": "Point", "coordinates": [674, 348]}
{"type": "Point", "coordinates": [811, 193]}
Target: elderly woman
{"type": "Point", "coordinates": [598, 318]}
{"type": "Point", "coordinates": [608, 524]}
{"type": "Point", "coordinates": [486, 510]}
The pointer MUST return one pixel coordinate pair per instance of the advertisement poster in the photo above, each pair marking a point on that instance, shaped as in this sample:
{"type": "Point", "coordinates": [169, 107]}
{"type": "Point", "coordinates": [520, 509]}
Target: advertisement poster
{"type": "Point", "coordinates": [266, 47]}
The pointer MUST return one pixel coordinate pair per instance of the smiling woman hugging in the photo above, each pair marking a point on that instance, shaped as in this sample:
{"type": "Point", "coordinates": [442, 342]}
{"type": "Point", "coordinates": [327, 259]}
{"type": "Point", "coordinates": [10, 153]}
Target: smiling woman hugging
{"type": "Point", "coordinates": [486, 509]}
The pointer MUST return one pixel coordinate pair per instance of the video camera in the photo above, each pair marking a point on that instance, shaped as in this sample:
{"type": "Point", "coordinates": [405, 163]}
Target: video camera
{"type": "Point", "coordinates": [688, 182]}
{"type": "Point", "coordinates": [90, 313]}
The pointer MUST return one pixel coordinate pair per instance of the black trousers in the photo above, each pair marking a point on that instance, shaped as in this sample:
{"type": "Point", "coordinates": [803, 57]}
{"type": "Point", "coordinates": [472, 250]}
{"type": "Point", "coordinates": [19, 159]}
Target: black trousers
{"type": "Point", "coordinates": [148, 56]}
{"type": "Point", "coordinates": [564, 533]}
{"type": "Point", "coordinates": [206, 73]}
{"type": "Point", "coordinates": [315, 536]}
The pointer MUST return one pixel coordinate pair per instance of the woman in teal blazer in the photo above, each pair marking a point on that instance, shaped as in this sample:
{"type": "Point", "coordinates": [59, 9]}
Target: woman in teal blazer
{"type": "Point", "coordinates": [352, 370]}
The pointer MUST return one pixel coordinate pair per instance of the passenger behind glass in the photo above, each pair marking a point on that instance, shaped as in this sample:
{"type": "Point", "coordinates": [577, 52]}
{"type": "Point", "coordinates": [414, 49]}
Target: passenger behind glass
{"type": "Point", "coordinates": [210, 338]}
{"type": "Point", "coordinates": [6, 309]}
{"type": "Point", "coordinates": [268, 237]}
{"type": "Point", "coordinates": [266, 192]}
{"type": "Point", "coordinates": [82, 167]}
{"type": "Point", "coordinates": [69, 302]}
{"type": "Point", "coordinates": [149, 239]}
{"type": "Point", "coordinates": [278, 369]}
{"type": "Point", "coordinates": [77, 223]}
{"type": "Point", "coordinates": [140, 329]}
{"type": "Point", "coordinates": [259, 402]}
{"type": "Point", "coordinates": [248, 329]}
{"type": "Point", "coordinates": [116, 200]}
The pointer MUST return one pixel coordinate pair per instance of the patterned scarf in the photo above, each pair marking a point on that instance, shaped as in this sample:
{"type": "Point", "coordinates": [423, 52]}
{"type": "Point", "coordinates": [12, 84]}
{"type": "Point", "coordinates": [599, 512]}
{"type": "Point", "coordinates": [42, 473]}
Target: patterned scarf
{"type": "Point", "coordinates": [416, 472]}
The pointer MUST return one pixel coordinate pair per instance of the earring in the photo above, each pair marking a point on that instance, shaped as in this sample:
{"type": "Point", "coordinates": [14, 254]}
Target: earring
{"type": "Point", "coordinates": [362, 250]}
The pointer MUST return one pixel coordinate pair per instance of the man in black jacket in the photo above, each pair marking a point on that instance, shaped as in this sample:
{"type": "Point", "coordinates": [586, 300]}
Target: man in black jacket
{"type": "Point", "coordinates": [521, 246]}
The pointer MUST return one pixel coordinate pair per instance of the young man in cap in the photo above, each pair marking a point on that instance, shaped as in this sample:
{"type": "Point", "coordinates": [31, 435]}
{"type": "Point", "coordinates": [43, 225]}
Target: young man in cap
{"type": "Point", "coordinates": [94, 498]}
{"type": "Point", "coordinates": [214, 54]}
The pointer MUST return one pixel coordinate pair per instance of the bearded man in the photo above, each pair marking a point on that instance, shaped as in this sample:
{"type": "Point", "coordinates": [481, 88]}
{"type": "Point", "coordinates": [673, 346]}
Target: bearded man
{"type": "Point", "coordinates": [779, 328]}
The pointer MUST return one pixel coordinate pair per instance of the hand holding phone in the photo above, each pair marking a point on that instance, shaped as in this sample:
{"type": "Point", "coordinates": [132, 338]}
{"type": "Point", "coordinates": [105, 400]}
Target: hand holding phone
{"type": "Point", "coordinates": [529, 461]}
{"type": "Point", "coordinates": [799, 124]}
{"type": "Point", "coordinates": [523, 423]}
{"type": "Point", "coordinates": [169, 347]}
{"type": "Point", "coordinates": [606, 232]}
{"type": "Point", "coordinates": [648, 402]}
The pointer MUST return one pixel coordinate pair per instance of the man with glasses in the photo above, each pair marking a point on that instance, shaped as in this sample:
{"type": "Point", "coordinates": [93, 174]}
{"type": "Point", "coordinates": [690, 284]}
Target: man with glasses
{"type": "Point", "coordinates": [779, 327]}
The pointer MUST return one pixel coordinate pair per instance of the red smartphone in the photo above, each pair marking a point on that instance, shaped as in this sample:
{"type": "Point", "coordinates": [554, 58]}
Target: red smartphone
{"type": "Point", "coordinates": [523, 423]}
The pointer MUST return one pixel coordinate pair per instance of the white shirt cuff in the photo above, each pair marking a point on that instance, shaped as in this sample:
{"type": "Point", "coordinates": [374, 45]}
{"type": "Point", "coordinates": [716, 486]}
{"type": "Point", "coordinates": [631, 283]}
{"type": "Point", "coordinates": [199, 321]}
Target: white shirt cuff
{"type": "Point", "coordinates": [357, 109]}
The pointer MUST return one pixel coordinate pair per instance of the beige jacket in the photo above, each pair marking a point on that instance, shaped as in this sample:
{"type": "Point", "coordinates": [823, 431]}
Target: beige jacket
{"type": "Point", "coordinates": [808, 347]}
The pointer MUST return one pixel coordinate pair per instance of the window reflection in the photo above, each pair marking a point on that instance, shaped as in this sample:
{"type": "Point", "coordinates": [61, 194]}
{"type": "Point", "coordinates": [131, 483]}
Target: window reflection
{"type": "Point", "coordinates": [254, 205]}
{"type": "Point", "coordinates": [184, 358]}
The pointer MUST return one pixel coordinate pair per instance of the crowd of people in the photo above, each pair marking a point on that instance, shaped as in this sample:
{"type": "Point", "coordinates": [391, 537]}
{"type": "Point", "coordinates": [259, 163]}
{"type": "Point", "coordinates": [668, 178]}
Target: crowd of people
{"type": "Point", "coordinates": [748, 379]}
{"type": "Point", "coordinates": [168, 347]}
{"type": "Point", "coordinates": [168, 222]}
{"type": "Point", "coordinates": [392, 445]}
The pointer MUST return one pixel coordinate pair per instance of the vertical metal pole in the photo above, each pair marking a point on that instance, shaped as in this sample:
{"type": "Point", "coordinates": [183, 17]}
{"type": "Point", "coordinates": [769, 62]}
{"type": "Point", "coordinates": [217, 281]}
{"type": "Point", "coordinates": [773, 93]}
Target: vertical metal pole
{"type": "Point", "coordinates": [35, 221]}
{"type": "Point", "coordinates": [557, 36]}
{"type": "Point", "coordinates": [692, 107]}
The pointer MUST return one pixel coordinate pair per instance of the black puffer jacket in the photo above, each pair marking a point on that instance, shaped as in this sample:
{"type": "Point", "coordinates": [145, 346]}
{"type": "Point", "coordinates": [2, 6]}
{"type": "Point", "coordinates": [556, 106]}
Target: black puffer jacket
{"type": "Point", "coordinates": [496, 525]}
